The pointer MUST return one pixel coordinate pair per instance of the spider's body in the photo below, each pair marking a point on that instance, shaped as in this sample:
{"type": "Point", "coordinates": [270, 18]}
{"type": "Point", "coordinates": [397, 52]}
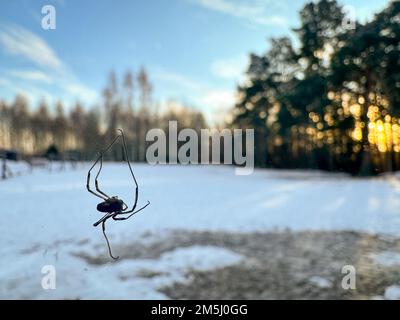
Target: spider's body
{"type": "Point", "coordinates": [112, 206]}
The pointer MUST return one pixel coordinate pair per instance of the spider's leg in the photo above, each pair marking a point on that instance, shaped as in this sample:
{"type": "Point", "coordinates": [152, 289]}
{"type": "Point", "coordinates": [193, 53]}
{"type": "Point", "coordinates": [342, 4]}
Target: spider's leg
{"type": "Point", "coordinates": [96, 183]}
{"type": "Point", "coordinates": [105, 217]}
{"type": "Point", "coordinates": [101, 166]}
{"type": "Point", "coordinates": [102, 195]}
{"type": "Point", "coordinates": [115, 217]}
{"type": "Point", "coordinates": [133, 176]}
{"type": "Point", "coordinates": [88, 180]}
{"type": "Point", "coordinates": [108, 243]}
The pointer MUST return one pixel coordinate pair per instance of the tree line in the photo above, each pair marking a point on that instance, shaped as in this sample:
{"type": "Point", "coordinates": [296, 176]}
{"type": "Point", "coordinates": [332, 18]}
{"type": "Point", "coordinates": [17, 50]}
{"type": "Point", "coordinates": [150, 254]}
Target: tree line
{"type": "Point", "coordinates": [333, 101]}
{"type": "Point", "coordinates": [83, 131]}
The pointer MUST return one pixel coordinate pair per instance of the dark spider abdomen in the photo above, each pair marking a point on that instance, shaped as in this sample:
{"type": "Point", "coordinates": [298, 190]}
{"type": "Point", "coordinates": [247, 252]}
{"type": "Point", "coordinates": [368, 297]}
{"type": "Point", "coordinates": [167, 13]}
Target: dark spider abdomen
{"type": "Point", "coordinates": [111, 205]}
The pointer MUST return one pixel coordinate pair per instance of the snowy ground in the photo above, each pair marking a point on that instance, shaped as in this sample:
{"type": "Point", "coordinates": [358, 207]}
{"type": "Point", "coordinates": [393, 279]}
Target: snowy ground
{"type": "Point", "coordinates": [47, 219]}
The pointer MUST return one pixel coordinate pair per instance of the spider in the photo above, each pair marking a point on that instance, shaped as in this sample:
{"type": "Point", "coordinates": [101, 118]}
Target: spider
{"type": "Point", "coordinates": [112, 206]}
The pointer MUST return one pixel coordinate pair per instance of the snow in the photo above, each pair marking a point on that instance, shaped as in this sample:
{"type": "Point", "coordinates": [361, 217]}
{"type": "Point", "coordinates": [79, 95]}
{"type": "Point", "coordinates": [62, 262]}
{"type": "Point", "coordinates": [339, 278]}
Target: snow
{"type": "Point", "coordinates": [105, 281]}
{"type": "Point", "coordinates": [320, 282]}
{"type": "Point", "coordinates": [392, 292]}
{"type": "Point", "coordinates": [387, 258]}
{"type": "Point", "coordinates": [17, 168]}
{"type": "Point", "coordinates": [46, 216]}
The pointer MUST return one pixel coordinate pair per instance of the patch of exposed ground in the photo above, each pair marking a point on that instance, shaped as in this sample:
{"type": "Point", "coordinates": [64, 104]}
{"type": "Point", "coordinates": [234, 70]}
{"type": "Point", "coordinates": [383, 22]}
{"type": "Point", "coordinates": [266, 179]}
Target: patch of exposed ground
{"type": "Point", "coordinates": [277, 265]}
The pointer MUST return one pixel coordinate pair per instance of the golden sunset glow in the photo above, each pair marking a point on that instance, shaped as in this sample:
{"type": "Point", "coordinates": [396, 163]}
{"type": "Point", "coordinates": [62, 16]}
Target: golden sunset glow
{"type": "Point", "coordinates": [383, 129]}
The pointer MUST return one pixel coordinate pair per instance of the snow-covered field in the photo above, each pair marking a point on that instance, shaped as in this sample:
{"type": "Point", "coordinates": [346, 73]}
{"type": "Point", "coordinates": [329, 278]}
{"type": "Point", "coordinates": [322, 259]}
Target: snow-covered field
{"type": "Point", "coordinates": [46, 219]}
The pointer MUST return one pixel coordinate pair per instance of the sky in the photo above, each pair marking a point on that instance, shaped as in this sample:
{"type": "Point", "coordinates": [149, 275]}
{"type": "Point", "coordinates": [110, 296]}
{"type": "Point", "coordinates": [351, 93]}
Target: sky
{"type": "Point", "coordinates": [195, 51]}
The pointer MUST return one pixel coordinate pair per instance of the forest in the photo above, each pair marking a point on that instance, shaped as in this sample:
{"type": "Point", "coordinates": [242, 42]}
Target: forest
{"type": "Point", "coordinates": [333, 102]}
{"type": "Point", "coordinates": [81, 133]}
{"type": "Point", "coordinates": [330, 102]}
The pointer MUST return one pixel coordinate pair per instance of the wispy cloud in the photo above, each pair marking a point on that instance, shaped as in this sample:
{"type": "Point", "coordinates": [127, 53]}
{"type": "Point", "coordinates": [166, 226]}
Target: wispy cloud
{"type": "Point", "coordinates": [230, 68]}
{"type": "Point", "coordinates": [275, 20]}
{"type": "Point", "coordinates": [81, 91]}
{"type": "Point", "coordinates": [49, 68]}
{"type": "Point", "coordinates": [212, 101]}
{"type": "Point", "coordinates": [21, 42]}
{"type": "Point", "coordinates": [218, 99]}
{"type": "Point", "coordinates": [4, 81]}
{"type": "Point", "coordinates": [217, 102]}
{"type": "Point", "coordinates": [35, 75]}
{"type": "Point", "coordinates": [34, 93]}
{"type": "Point", "coordinates": [254, 11]}
{"type": "Point", "coordinates": [175, 78]}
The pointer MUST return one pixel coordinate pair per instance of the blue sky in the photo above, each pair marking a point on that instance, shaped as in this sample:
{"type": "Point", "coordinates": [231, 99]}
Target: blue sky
{"type": "Point", "coordinates": [194, 50]}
